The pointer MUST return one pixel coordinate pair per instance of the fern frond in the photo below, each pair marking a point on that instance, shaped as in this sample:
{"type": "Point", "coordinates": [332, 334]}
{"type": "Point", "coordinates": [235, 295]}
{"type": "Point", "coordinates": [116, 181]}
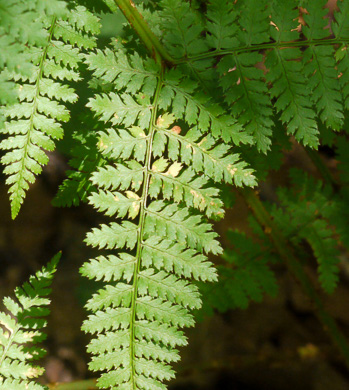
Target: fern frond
{"type": "Point", "coordinates": [34, 124]}
{"type": "Point", "coordinates": [177, 258]}
{"type": "Point", "coordinates": [21, 330]}
{"type": "Point", "coordinates": [186, 187]}
{"type": "Point", "coordinates": [289, 85]}
{"type": "Point", "coordinates": [320, 69]}
{"type": "Point", "coordinates": [305, 215]}
{"type": "Point", "coordinates": [341, 30]}
{"type": "Point", "coordinates": [341, 25]}
{"type": "Point", "coordinates": [171, 221]}
{"type": "Point", "coordinates": [124, 143]}
{"type": "Point", "coordinates": [156, 187]}
{"type": "Point", "coordinates": [245, 274]}
{"type": "Point", "coordinates": [240, 77]}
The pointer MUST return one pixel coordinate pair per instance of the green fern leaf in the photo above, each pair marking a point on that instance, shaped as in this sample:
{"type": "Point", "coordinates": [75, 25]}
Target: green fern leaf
{"type": "Point", "coordinates": [244, 276]}
{"type": "Point", "coordinates": [289, 87]}
{"type": "Point", "coordinates": [160, 178]}
{"type": "Point", "coordinates": [40, 112]}
{"type": "Point", "coordinates": [247, 94]}
{"type": "Point", "coordinates": [123, 109]}
{"type": "Point", "coordinates": [21, 330]}
{"type": "Point", "coordinates": [305, 215]}
{"type": "Point", "coordinates": [341, 30]}
{"type": "Point", "coordinates": [134, 74]}
{"type": "Point", "coordinates": [186, 187]}
{"type": "Point", "coordinates": [320, 69]}
{"type": "Point", "coordinates": [177, 258]}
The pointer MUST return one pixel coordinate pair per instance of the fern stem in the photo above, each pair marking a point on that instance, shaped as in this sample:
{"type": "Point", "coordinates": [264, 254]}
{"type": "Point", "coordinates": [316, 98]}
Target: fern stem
{"type": "Point", "coordinates": [141, 27]}
{"type": "Point", "coordinates": [143, 206]}
{"type": "Point", "coordinates": [262, 46]}
{"type": "Point", "coordinates": [286, 252]}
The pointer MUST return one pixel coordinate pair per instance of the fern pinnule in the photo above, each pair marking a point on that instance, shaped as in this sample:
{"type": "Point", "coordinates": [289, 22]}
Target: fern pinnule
{"type": "Point", "coordinates": [41, 94]}
{"type": "Point", "coordinates": [130, 72]}
{"type": "Point", "coordinates": [254, 21]}
{"type": "Point", "coordinates": [221, 25]}
{"type": "Point", "coordinates": [183, 28]}
{"type": "Point", "coordinates": [21, 330]}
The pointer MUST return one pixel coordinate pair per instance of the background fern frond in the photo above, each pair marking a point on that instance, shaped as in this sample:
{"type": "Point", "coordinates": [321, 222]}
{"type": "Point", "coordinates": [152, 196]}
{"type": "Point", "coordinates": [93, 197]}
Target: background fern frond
{"type": "Point", "coordinates": [254, 22]}
{"type": "Point", "coordinates": [320, 69]}
{"type": "Point", "coordinates": [305, 214]}
{"type": "Point", "coordinates": [341, 30]}
{"type": "Point", "coordinates": [289, 87]}
{"type": "Point", "coordinates": [244, 276]}
{"type": "Point", "coordinates": [34, 124]}
{"type": "Point", "coordinates": [21, 330]}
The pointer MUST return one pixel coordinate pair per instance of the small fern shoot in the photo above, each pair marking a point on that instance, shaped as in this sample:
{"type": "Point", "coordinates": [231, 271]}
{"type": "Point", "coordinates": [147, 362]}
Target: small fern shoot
{"type": "Point", "coordinates": [21, 329]}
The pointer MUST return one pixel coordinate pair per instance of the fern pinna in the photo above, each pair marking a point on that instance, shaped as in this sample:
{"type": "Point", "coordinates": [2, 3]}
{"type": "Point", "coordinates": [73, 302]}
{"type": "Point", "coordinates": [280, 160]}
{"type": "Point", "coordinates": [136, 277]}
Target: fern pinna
{"type": "Point", "coordinates": [158, 187]}
{"type": "Point", "coordinates": [21, 330]}
{"type": "Point", "coordinates": [34, 122]}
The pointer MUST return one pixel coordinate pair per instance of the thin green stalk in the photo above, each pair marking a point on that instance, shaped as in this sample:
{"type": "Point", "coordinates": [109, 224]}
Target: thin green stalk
{"type": "Point", "coordinates": [262, 46]}
{"type": "Point", "coordinates": [286, 252]}
{"type": "Point", "coordinates": [141, 27]}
